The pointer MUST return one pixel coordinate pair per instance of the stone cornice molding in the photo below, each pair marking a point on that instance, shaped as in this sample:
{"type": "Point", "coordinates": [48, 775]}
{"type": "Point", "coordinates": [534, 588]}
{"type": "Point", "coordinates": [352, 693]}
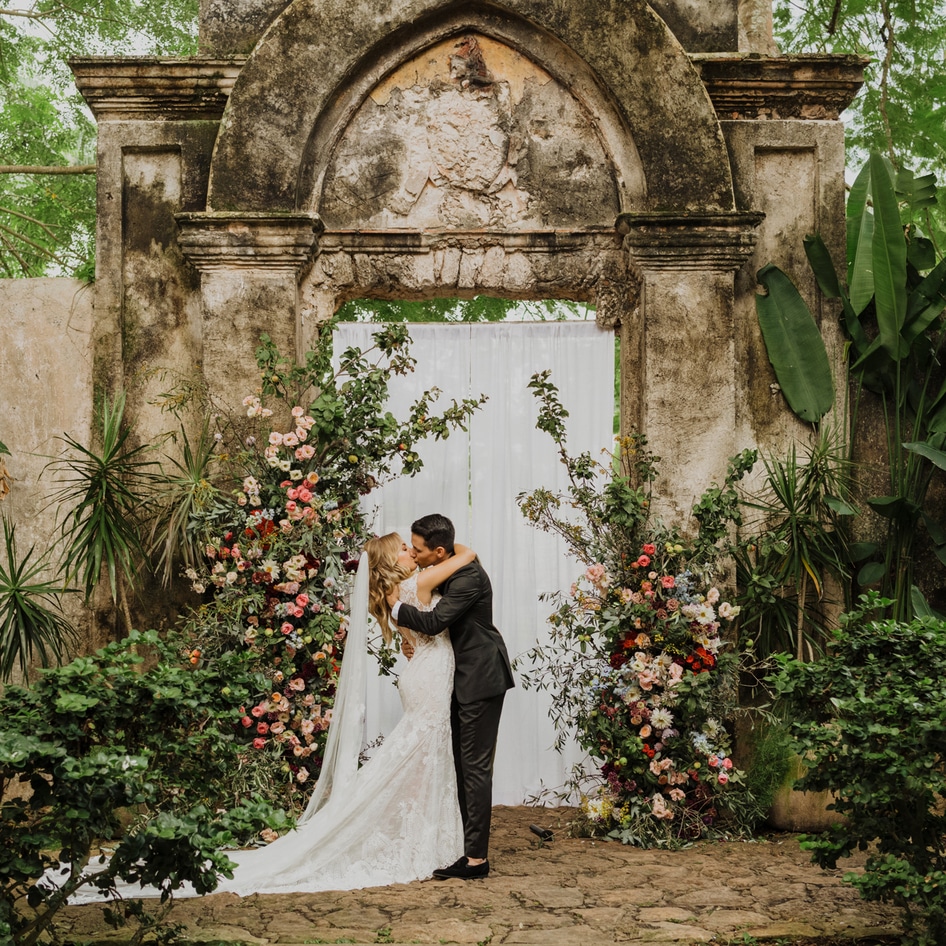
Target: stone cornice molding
{"type": "Point", "coordinates": [119, 88]}
{"type": "Point", "coordinates": [679, 242]}
{"type": "Point", "coordinates": [406, 241]}
{"type": "Point", "coordinates": [740, 85]}
{"type": "Point", "coordinates": [269, 243]}
{"type": "Point", "coordinates": [749, 86]}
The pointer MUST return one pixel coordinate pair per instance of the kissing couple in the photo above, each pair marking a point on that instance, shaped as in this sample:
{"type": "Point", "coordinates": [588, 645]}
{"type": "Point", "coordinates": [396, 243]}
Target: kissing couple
{"type": "Point", "coordinates": [421, 806]}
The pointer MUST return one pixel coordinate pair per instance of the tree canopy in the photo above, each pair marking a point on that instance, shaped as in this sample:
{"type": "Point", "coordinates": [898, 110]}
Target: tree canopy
{"type": "Point", "coordinates": [47, 135]}
{"type": "Point", "coordinates": [901, 110]}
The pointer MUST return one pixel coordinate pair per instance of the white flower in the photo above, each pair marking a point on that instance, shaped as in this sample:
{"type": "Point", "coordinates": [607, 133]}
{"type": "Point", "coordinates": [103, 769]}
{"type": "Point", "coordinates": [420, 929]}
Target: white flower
{"type": "Point", "coordinates": [661, 719]}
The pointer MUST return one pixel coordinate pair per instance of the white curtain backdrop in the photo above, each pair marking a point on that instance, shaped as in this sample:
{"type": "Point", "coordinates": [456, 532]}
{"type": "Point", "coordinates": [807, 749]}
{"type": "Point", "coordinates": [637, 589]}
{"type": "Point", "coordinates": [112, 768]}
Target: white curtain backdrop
{"type": "Point", "coordinates": [474, 478]}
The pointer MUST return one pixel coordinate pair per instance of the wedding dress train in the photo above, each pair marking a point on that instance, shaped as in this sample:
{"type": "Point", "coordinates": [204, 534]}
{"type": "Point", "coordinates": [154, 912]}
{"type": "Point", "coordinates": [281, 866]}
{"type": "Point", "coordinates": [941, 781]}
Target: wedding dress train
{"type": "Point", "coordinates": [394, 820]}
{"type": "Point", "coordinates": [399, 819]}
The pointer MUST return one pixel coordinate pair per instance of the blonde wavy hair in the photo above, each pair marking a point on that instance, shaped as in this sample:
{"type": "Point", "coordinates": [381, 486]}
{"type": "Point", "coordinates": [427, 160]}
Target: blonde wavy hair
{"type": "Point", "coordinates": [384, 574]}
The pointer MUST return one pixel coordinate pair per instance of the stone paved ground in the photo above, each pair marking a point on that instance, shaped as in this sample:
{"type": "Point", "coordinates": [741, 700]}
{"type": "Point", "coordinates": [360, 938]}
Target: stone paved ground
{"type": "Point", "coordinates": [567, 892]}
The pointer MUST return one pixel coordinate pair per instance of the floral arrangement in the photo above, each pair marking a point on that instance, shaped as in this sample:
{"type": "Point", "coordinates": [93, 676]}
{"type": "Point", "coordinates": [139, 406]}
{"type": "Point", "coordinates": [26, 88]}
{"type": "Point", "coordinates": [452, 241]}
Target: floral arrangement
{"type": "Point", "coordinates": [638, 661]}
{"type": "Point", "coordinates": [649, 693]}
{"type": "Point", "coordinates": [276, 551]}
{"type": "Point", "coordinates": [279, 559]}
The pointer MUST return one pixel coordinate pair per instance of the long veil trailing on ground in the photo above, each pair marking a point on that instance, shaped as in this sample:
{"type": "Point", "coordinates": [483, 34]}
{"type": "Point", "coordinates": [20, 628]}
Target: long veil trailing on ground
{"type": "Point", "coordinates": [346, 732]}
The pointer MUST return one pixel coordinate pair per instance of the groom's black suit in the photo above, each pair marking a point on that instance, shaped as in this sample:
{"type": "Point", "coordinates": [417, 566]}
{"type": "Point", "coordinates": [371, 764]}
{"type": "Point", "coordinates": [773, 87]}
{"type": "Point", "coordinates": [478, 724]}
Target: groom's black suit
{"type": "Point", "coordinates": [482, 676]}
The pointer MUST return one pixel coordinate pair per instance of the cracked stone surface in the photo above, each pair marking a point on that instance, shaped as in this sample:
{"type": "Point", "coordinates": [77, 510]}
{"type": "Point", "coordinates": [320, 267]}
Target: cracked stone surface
{"type": "Point", "coordinates": [569, 891]}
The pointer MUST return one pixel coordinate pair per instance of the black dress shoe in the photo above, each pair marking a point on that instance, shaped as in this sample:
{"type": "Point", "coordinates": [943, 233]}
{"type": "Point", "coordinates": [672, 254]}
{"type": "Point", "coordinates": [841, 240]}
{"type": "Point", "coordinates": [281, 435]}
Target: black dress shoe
{"type": "Point", "coordinates": [462, 869]}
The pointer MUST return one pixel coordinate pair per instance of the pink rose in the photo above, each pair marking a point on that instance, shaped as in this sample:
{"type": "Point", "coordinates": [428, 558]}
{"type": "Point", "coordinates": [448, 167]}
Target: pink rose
{"type": "Point", "coordinates": [649, 548]}
{"type": "Point", "coordinates": [302, 600]}
{"type": "Point", "coordinates": [668, 581]}
{"type": "Point", "coordinates": [722, 778]}
{"type": "Point", "coordinates": [259, 743]}
{"type": "Point", "coordinates": [246, 721]}
{"type": "Point", "coordinates": [286, 628]}
{"type": "Point", "coordinates": [262, 728]}
{"type": "Point", "coordinates": [643, 561]}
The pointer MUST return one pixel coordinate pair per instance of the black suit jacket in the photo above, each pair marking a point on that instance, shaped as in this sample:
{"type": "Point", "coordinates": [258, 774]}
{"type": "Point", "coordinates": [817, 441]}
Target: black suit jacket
{"type": "Point", "coordinates": [482, 664]}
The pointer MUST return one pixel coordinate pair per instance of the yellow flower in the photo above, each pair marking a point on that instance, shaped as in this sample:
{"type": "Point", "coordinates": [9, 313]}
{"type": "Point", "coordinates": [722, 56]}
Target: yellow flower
{"type": "Point", "coordinates": [352, 458]}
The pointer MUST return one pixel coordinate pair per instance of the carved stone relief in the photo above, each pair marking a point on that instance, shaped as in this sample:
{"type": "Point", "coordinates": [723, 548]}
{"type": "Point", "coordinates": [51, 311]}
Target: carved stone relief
{"type": "Point", "coordinates": [470, 134]}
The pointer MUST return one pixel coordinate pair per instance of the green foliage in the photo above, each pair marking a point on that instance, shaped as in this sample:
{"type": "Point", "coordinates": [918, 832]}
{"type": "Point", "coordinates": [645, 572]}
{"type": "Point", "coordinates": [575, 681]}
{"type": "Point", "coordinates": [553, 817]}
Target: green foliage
{"type": "Point", "coordinates": [892, 299]}
{"type": "Point", "coordinates": [899, 110]}
{"type": "Point", "coordinates": [31, 620]}
{"type": "Point", "coordinates": [102, 736]}
{"type": "Point", "coordinates": [47, 222]}
{"type": "Point", "coordinates": [105, 492]}
{"type": "Point", "coordinates": [795, 347]}
{"type": "Point", "coordinates": [636, 665]}
{"type": "Point", "coordinates": [477, 309]}
{"type": "Point", "coordinates": [797, 544]}
{"type": "Point", "coordinates": [868, 719]}
{"type": "Point", "coordinates": [356, 439]}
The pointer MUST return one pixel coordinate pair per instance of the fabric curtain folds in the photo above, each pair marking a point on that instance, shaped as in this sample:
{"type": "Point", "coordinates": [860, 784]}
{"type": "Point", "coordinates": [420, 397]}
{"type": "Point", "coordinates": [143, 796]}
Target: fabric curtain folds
{"type": "Point", "coordinates": [474, 478]}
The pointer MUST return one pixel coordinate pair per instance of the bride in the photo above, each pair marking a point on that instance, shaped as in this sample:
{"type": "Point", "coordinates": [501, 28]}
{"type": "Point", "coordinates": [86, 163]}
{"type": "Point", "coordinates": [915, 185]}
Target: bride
{"type": "Point", "coordinates": [397, 818]}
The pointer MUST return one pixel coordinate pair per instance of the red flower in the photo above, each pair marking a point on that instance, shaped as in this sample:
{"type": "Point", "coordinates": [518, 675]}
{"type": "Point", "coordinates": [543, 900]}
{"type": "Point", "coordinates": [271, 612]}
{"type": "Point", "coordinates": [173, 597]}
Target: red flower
{"type": "Point", "coordinates": [649, 549]}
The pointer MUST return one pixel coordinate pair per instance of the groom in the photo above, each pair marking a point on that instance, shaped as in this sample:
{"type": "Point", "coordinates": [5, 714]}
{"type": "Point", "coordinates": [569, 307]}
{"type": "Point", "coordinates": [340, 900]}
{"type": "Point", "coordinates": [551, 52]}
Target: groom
{"type": "Point", "coordinates": [481, 678]}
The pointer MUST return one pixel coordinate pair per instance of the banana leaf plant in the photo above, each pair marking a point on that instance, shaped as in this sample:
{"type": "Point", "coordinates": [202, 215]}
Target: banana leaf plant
{"type": "Point", "coordinates": [892, 296]}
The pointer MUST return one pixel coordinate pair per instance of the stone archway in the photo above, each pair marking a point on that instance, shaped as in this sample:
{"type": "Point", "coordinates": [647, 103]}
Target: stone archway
{"type": "Point", "coordinates": [616, 55]}
{"type": "Point", "coordinates": [518, 150]}
{"type": "Point", "coordinates": [223, 182]}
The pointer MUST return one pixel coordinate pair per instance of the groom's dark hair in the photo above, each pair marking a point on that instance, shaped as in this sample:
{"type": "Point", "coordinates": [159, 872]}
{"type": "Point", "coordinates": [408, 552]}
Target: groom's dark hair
{"type": "Point", "coordinates": [436, 530]}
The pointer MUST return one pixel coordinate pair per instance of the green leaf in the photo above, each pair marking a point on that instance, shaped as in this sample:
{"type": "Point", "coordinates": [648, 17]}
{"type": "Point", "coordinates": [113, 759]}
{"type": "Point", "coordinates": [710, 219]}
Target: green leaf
{"type": "Point", "coordinates": [840, 506]}
{"type": "Point", "coordinates": [926, 302]}
{"type": "Point", "coordinates": [819, 258]}
{"type": "Point", "coordinates": [936, 457]}
{"type": "Point", "coordinates": [898, 508]}
{"type": "Point", "coordinates": [921, 607]}
{"type": "Point", "coordinates": [795, 346]}
{"type": "Point", "coordinates": [861, 550]}
{"type": "Point", "coordinates": [888, 260]}
{"type": "Point", "coordinates": [3, 449]}
{"type": "Point", "coordinates": [860, 230]}
{"type": "Point", "coordinates": [872, 572]}
{"type": "Point", "coordinates": [75, 703]}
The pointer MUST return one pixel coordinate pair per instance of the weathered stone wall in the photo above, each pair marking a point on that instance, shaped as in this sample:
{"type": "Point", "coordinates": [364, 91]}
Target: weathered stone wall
{"type": "Point", "coordinates": [645, 158]}
{"type": "Point", "coordinates": [47, 391]}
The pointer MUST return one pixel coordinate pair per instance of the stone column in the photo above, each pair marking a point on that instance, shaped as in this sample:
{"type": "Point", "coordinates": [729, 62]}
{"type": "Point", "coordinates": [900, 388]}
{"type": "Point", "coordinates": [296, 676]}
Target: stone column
{"type": "Point", "coordinates": [250, 266]}
{"type": "Point", "coordinates": [678, 369]}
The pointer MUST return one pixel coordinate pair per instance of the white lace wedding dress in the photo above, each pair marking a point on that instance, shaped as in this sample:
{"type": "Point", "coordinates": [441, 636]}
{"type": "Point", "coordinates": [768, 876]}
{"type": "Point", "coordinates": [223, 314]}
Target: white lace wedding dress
{"type": "Point", "coordinates": [399, 819]}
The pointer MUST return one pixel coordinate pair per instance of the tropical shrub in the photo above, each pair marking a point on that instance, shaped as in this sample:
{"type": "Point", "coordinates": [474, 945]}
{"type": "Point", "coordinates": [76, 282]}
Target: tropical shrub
{"type": "Point", "coordinates": [637, 662]}
{"type": "Point", "coordinates": [101, 737]}
{"type": "Point", "coordinates": [32, 622]}
{"type": "Point", "coordinates": [792, 565]}
{"type": "Point", "coordinates": [867, 717]}
{"type": "Point", "coordinates": [892, 293]}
